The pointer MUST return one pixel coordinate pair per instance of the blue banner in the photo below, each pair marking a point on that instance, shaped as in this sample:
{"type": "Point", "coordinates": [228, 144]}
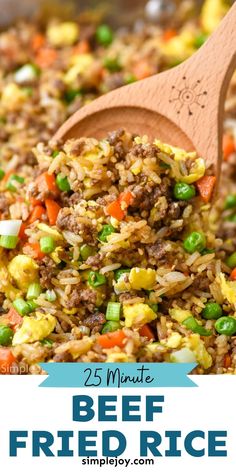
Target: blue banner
{"type": "Point", "coordinates": [119, 375]}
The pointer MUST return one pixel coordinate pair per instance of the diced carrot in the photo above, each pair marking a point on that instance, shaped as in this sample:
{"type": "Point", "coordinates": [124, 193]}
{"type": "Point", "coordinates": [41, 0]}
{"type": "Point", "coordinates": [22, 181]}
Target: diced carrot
{"type": "Point", "coordinates": [228, 146]}
{"type": "Point", "coordinates": [53, 209]}
{"type": "Point", "coordinates": [114, 209]}
{"type": "Point", "coordinates": [205, 187]}
{"type": "Point", "coordinates": [47, 182]}
{"type": "Point", "coordinates": [6, 360]}
{"type": "Point", "coordinates": [117, 208]}
{"type": "Point", "coordinates": [146, 331]}
{"type": "Point", "coordinates": [22, 234]}
{"type": "Point", "coordinates": [115, 338]}
{"type": "Point", "coordinates": [126, 197]}
{"type": "Point", "coordinates": [169, 34]}
{"type": "Point", "coordinates": [34, 202]}
{"type": "Point", "coordinates": [81, 48]}
{"type": "Point", "coordinates": [14, 318]}
{"type": "Point", "coordinates": [36, 214]}
{"type": "Point", "coordinates": [38, 41]}
{"type": "Point", "coordinates": [45, 57]}
{"type": "Point", "coordinates": [142, 70]}
{"type": "Point", "coordinates": [233, 274]}
{"type": "Point", "coordinates": [33, 250]}
{"type": "Point", "coordinates": [227, 360]}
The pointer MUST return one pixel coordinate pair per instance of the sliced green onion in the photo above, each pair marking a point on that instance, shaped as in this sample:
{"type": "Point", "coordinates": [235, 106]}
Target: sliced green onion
{"type": "Point", "coordinates": [47, 342]}
{"type": "Point", "coordinates": [10, 227]}
{"type": "Point", "coordinates": [6, 335]}
{"type": "Point", "coordinates": [8, 242]}
{"type": "Point", "coordinates": [62, 183]}
{"type": "Point", "coordinates": [55, 153]}
{"type": "Point", "coordinates": [34, 291]}
{"type": "Point", "coordinates": [192, 324]}
{"type": "Point", "coordinates": [106, 231]}
{"type": "Point", "coordinates": [51, 295]}
{"type": "Point", "coordinates": [32, 305]}
{"type": "Point", "coordinates": [2, 174]}
{"type": "Point", "coordinates": [47, 244]}
{"type": "Point", "coordinates": [113, 311]}
{"type": "Point", "coordinates": [14, 178]}
{"type": "Point", "coordinates": [95, 279]}
{"type": "Point", "coordinates": [110, 326]}
{"type": "Point", "coordinates": [22, 307]}
{"type": "Point", "coordinates": [26, 73]}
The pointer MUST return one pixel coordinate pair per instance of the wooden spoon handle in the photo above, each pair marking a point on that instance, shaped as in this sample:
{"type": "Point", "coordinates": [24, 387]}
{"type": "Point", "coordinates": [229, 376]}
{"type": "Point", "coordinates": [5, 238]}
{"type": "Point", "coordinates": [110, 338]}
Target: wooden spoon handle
{"type": "Point", "coordinates": [217, 57]}
{"type": "Point", "coordinates": [194, 92]}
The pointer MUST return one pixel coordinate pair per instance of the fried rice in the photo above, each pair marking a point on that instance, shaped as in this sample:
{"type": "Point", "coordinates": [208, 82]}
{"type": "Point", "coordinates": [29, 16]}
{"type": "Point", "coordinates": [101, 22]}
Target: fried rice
{"type": "Point", "coordinates": [114, 250]}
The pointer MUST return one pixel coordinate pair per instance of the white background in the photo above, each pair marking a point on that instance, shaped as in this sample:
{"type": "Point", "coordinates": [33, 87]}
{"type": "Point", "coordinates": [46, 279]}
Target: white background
{"type": "Point", "coordinates": [25, 406]}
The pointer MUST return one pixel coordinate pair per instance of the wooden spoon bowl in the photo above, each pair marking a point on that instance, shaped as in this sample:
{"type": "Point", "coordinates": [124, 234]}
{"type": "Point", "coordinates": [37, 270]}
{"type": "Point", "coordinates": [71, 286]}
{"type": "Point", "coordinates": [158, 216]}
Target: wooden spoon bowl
{"type": "Point", "coordinates": [183, 106]}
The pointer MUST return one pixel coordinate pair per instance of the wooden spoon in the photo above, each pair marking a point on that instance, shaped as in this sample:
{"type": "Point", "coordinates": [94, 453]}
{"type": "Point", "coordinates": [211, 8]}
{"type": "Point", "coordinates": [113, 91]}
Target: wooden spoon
{"type": "Point", "coordinates": [183, 106]}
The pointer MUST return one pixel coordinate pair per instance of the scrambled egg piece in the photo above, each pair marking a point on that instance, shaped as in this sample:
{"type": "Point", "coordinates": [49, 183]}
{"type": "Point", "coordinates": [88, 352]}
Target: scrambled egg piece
{"type": "Point", "coordinates": [5, 285]}
{"type": "Point", "coordinates": [228, 289]}
{"type": "Point", "coordinates": [24, 270]}
{"type": "Point", "coordinates": [197, 346]}
{"type": "Point", "coordinates": [80, 66]}
{"type": "Point", "coordinates": [13, 96]}
{"type": "Point", "coordinates": [179, 315]}
{"type": "Point", "coordinates": [212, 13]}
{"type": "Point", "coordinates": [142, 278]}
{"type": "Point", "coordinates": [63, 34]}
{"type": "Point", "coordinates": [34, 329]}
{"type": "Point", "coordinates": [138, 314]}
{"type": "Point", "coordinates": [122, 285]}
{"type": "Point", "coordinates": [197, 169]}
{"type": "Point", "coordinates": [173, 341]}
{"type": "Point", "coordinates": [120, 357]}
{"type": "Point", "coordinates": [51, 231]}
{"type": "Point", "coordinates": [180, 46]}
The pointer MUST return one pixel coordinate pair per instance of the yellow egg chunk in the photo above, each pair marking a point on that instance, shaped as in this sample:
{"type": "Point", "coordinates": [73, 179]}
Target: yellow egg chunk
{"type": "Point", "coordinates": [24, 271]}
{"type": "Point", "coordinates": [138, 314]}
{"type": "Point", "coordinates": [34, 329]}
{"type": "Point", "coordinates": [142, 278]}
{"type": "Point", "coordinates": [63, 34]}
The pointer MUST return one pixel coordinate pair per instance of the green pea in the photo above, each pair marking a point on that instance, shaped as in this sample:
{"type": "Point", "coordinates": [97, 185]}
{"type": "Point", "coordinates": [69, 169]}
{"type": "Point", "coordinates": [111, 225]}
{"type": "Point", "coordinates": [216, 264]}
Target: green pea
{"type": "Point", "coordinates": [226, 325]}
{"type": "Point", "coordinates": [112, 64]}
{"type": "Point", "coordinates": [194, 242]}
{"type": "Point", "coordinates": [231, 260]}
{"type": "Point", "coordinates": [231, 218]}
{"type": "Point", "coordinates": [104, 35]}
{"type": "Point", "coordinates": [200, 40]}
{"type": "Point", "coordinates": [71, 94]}
{"type": "Point", "coordinates": [87, 251]}
{"type": "Point", "coordinates": [183, 191]}
{"type": "Point", "coordinates": [130, 78]}
{"type": "Point", "coordinates": [106, 231]}
{"type": "Point", "coordinates": [154, 307]}
{"type": "Point", "coordinates": [62, 183]}
{"type": "Point", "coordinates": [6, 335]}
{"type": "Point", "coordinates": [212, 311]}
{"type": "Point", "coordinates": [230, 202]}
